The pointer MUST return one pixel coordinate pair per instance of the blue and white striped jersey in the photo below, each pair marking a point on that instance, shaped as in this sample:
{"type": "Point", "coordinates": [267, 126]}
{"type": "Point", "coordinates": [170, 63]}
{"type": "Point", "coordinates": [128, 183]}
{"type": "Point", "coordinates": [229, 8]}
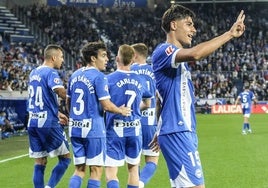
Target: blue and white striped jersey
{"type": "Point", "coordinates": [86, 87]}
{"type": "Point", "coordinates": [146, 72]}
{"type": "Point", "coordinates": [173, 82]}
{"type": "Point", "coordinates": [126, 88]}
{"type": "Point", "coordinates": [246, 98]}
{"type": "Point", "coordinates": [42, 101]}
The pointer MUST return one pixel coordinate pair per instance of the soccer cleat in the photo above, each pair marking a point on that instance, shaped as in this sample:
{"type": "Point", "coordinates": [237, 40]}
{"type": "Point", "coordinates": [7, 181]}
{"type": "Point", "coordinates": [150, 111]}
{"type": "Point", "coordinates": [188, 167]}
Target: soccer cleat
{"type": "Point", "coordinates": [250, 131]}
{"type": "Point", "coordinates": [244, 132]}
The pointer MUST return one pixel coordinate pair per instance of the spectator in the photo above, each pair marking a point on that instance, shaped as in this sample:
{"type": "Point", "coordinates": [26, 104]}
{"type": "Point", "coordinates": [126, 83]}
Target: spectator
{"type": "Point", "coordinates": [249, 52]}
{"type": "Point", "coordinates": [206, 108]}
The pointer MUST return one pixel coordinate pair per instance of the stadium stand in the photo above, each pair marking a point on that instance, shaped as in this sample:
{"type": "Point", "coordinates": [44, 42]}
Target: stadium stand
{"type": "Point", "coordinates": [16, 31]}
{"type": "Point", "coordinates": [217, 78]}
{"type": "Point", "coordinates": [248, 63]}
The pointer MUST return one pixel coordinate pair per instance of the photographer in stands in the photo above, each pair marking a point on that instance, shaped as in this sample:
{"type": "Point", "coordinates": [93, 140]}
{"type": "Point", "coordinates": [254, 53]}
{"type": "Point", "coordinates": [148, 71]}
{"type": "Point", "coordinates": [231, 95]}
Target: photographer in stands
{"type": "Point", "coordinates": [5, 125]}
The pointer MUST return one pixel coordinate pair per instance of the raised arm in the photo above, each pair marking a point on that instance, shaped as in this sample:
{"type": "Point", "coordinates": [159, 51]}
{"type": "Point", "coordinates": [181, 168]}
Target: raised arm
{"type": "Point", "coordinates": [204, 49]}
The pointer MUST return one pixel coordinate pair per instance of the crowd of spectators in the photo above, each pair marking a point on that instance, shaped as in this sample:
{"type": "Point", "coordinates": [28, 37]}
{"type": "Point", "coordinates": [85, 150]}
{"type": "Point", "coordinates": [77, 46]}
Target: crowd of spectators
{"type": "Point", "coordinates": [16, 61]}
{"type": "Point", "coordinates": [221, 75]}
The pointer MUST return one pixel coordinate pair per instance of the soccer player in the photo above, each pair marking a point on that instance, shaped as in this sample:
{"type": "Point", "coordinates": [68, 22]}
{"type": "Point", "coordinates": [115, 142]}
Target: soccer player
{"type": "Point", "coordinates": [46, 135]}
{"type": "Point", "coordinates": [177, 136]}
{"type": "Point", "coordinates": [148, 120]}
{"type": "Point", "coordinates": [87, 97]}
{"type": "Point", "coordinates": [124, 140]}
{"type": "Point", "coordinates": [245, 98]}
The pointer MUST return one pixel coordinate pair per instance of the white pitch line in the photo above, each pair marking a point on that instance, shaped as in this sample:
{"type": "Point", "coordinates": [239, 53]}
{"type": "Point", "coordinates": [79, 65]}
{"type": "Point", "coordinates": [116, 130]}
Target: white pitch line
{"type": "Point", "coordinates": [20, 156]}
{"type": "Point", "coordinates": [12, 158]}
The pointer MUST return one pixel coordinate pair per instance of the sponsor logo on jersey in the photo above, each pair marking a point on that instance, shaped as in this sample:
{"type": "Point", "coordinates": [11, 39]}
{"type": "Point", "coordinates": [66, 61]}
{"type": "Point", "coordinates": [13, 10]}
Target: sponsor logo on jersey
{"type": "Point", "coordinates": [169, 50]}
{"type": "Point", "coordinates": [148, 113]}
{"type": "Point", "coordinates": [38, 115]}
{"type": "Point", "coordinates": [126, 124]}
{"type": "Point", "coordinates": [86, 123]}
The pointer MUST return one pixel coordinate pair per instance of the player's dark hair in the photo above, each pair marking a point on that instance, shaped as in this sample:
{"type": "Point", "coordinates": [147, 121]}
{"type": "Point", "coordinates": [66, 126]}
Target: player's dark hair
{"type": "Point", "coordinates": [91, 49]}
{"type": "Point", "coordinates": [175, 12]}
{"type": "Point", "coordinates": [50, 50]}
{"type": "Point", "coordinates": [141, 49]}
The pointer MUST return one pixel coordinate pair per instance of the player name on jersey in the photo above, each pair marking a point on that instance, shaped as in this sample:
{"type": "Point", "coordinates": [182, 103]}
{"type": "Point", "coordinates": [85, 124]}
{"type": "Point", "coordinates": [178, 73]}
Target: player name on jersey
{"type": "Point", "coordinates": [122, 82]}
{"type": "Point", "coordinates": [85, 81]}
{"type": "Point", "coordinates": [145, 72]}
{"type": "Point", "coordinates": [35, 77]}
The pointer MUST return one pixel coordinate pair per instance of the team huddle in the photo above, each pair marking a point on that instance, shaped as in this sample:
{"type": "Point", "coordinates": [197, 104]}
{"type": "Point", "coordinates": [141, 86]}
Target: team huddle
{"type": "Point", "coordinates": [113, 119]}
{"type": "Point", "coordinates": [126, 99]}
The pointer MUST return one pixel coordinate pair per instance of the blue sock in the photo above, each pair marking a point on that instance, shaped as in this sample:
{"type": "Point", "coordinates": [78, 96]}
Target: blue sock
{"type": "Point", "coordinates": [147, 172]}
{"type": "Point", "coordinates": [248, 126]}
{"type": "Point", "coordinates": [93, 183]}
{"type": "Point", "coordinates": [75, 182]}
{"type": "Point", "coordinates": [244, 126]}
{"type": "Point", "coordinates": [113, 184]}
{"type": "Point", "coordinates": [132, 186]}
{"type": "Point", "coordinates": [38, 176]}
{"type": "Point", "coordinates": [58, 171]}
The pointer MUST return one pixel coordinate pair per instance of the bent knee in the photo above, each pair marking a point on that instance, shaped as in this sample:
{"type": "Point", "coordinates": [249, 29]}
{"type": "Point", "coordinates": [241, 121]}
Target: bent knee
{"type": "Point", "coordinates": [41, 161]}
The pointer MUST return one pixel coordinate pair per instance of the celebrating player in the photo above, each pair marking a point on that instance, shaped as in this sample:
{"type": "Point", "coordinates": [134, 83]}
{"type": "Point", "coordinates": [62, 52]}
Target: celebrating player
{"type": "Point", "coordinates": [148, 120]}
{"type": "Point", "coordinates": [177, 137]}
{"type": "Point", "coordinates": [124, 141]}
{"type": "Point", "coordinates": [46, 135]}
{"type": "Point", "coordinates": [87, 98]}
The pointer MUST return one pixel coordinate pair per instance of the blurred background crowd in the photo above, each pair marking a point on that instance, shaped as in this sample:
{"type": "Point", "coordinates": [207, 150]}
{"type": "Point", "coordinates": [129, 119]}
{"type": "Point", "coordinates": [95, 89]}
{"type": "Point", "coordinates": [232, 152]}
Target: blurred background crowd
{"type": "Point", "coordinates": [221, 75]}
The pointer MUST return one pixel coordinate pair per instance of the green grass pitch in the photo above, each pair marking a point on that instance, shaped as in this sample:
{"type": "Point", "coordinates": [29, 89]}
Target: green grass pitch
{"type": "Point", "coordinates": [229, 159]}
